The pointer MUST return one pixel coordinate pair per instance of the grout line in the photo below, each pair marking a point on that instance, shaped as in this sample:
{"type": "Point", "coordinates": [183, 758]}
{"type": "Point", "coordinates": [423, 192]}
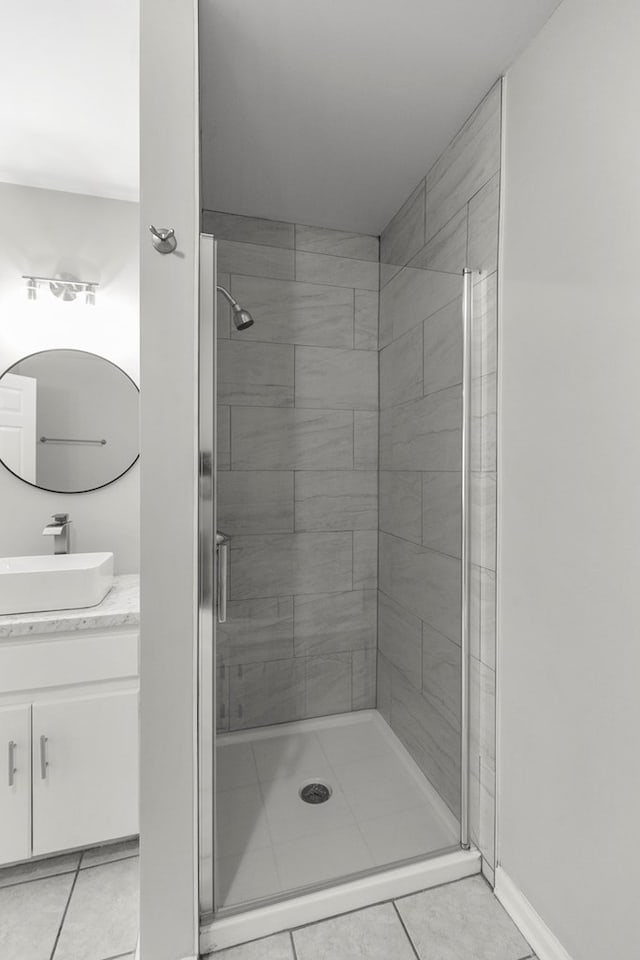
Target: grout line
{"type": "Point", "coordinates": [402, 924]}
{"type": "Point", "coordinates": [293, 945]}
{"type": "Point", "coordinates": [66, 909]}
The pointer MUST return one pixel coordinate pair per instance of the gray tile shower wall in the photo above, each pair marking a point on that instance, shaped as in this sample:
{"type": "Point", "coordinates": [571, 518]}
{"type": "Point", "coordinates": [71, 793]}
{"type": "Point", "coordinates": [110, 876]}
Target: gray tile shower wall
{"type": "Point", "coordinates": [298, 470]}
{"type": "Point", "coordinates": [448, 222]}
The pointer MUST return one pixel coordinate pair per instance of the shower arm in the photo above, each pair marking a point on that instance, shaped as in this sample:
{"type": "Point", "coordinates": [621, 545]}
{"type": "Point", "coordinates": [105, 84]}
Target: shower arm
{"type": "Point", "coordinates": [225, 293]}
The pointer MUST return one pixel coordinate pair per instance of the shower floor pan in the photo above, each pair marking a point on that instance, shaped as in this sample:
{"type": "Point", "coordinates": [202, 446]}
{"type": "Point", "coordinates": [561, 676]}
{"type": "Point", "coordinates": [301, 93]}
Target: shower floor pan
{"type": "Point", "coordinates": [372, 827]}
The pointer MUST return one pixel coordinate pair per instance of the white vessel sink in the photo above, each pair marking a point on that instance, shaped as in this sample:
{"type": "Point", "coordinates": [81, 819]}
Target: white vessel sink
{"type": "Point", "coordinates": [63, 582]}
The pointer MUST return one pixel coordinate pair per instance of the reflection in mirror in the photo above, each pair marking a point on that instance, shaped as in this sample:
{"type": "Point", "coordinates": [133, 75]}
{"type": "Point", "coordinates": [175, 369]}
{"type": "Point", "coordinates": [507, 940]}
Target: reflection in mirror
{"type": "Point", "coordinates": [68, 421]}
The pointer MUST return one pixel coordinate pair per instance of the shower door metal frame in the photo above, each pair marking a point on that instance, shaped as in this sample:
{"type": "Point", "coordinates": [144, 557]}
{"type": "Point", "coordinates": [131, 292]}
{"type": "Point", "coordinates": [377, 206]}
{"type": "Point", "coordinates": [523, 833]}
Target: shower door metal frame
{"type": "Point", "coordinates": [465, 556]}
{"type": "Point", "coordinates": [207, 569]}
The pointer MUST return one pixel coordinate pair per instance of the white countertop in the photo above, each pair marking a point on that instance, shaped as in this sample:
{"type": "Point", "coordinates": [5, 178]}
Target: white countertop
{"type": "Point", "coordinates": [120, 607]}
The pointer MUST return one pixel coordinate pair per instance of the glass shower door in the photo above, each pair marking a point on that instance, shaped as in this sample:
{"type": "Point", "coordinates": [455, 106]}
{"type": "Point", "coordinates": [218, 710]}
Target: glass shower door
{"type": "Point", "coordinates": [338, 717]}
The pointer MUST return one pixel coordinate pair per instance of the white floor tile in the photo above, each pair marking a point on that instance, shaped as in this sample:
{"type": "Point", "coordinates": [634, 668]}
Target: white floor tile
{"type": "Point", "coordinates": [30, 917]}
{"type": "Point", "coordinates": [247, 877]}
{"type": "Point", "coordinates": [461, 921]}
{"type": "Point", "coordinates": [269, 948]}
{"type": "Point", "coordinates": [322, 857]}
{"type": "Point", "coordinates": [102, 919]}
{"type": "Point", "coordinates": [293, 755]}
{"type": "Point", "coordinates": [290, 817]}
{"type": "Point", "coordinates": [235, 766]}
{"type": "Point", "coordinates": [375, 934]}
{"type": "Point", "coordinates": [353, 741]}
{"type": "Point", "coordinates": [400, 836]}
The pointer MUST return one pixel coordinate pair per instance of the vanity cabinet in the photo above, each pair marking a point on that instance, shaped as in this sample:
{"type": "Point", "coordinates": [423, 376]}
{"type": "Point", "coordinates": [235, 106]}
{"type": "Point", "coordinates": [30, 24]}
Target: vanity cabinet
{"type": "Point", "coordinates": [69, 738]}
{"type": "Point", "coordinates": [15, 808]}
{"type": "Point", "coordinates": [85, 771]}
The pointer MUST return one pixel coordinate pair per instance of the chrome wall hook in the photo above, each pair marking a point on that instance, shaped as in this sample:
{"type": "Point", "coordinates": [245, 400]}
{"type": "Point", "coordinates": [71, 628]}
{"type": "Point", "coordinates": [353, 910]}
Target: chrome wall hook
{"type": "Point", "coordinates": [163, 239]}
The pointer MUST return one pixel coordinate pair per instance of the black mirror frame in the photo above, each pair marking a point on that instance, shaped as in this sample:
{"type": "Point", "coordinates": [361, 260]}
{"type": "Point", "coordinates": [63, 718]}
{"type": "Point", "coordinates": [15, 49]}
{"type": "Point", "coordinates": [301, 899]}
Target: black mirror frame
{"type": "Point", "coordinates": [71, 493]}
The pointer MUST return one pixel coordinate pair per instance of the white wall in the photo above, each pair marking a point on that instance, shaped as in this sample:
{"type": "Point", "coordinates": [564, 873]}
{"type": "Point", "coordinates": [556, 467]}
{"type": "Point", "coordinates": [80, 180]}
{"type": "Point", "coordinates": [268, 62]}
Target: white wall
{"type": "Point", "coordinates": [45, 232]}
{"type": "Point", "coordinates": [168, 578]}
{"type": "Point", "coordinates": [569, 436]}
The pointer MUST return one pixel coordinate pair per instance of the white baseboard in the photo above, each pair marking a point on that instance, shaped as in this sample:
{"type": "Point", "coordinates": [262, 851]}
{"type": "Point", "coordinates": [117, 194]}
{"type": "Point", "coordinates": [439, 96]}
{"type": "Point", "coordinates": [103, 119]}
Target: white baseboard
{"type": "Point", "coordinates": [543, 942]}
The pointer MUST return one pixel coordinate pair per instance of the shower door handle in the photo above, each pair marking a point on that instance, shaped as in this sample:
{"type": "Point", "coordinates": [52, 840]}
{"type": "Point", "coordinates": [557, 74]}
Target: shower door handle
{"type": "Point", "coordinates": [222, 547]}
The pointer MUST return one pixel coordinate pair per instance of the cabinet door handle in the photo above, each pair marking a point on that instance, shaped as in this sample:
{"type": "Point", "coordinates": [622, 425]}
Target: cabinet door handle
{"type": "Point", "coordinates": [44, 762]}
{"type": "Point", "coordinates": [12, 762]}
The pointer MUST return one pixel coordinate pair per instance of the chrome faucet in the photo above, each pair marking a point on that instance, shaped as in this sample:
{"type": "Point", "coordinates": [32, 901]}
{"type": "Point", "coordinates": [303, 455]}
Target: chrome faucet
{"type": "Point", "coordinates": [59, 530]}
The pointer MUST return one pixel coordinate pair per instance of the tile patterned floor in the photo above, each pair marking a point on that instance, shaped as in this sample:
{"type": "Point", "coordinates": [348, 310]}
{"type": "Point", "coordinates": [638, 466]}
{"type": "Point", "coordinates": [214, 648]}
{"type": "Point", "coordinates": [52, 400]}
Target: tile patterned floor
{"type": "Point", "coordinates": [381, 811]}
{"type": "Point", "coordinates": [79, 906]}
{"type": "Point", "coordinates": [457, 921]}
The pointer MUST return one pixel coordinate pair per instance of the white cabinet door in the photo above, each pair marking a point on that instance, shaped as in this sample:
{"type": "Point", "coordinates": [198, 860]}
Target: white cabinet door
{"type": "Point", "coordinates": [15, 783]}
{"type": "Point", "coordinates": [85, 771]}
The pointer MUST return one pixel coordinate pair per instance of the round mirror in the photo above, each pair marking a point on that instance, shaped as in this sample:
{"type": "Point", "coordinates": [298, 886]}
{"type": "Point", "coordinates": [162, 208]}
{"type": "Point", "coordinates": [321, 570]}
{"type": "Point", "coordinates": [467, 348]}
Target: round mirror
{"type": "Point", "coordinates": [68, 421]}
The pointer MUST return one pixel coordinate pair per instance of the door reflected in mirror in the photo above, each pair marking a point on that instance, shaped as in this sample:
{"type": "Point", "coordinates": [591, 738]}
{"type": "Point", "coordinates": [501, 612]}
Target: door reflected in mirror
{"type": "Point", "coordinates": [68, 421]}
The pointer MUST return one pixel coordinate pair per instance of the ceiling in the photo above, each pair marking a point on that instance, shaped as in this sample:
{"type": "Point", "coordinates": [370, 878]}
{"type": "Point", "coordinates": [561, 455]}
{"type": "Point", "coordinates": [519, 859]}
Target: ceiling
{"type": "Point", "coordinates": [69, 105]}
{"type": "Point", "coordinates": [325, 112]}
{"type": "Point", "coordinates": [329, 112]}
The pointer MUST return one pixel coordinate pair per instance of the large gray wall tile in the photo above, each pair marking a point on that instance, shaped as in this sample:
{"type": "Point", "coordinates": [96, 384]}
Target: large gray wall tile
{"type": "Point", "coordinates": [223, 446]}
{"type": "Point", "coordinates": [404, 235]}
{"type": "Point", "coordinates": [255, 373]}
{"type": "Point", "coordinates": [401, 504]}
{"type": "Point", "coordinates": [484, 212]}
{"type": "Point", "coordinates": [363, 679]}
{"type": "Point", "coordinates": [447, 250]}
{"type": "Point", "coordinates": [412, 296]}
{"type": "Point", "coordinates": [426, 432]}
{"type": "Point", "coordinates": [365, 329]}
{"type": "Point", "coordinates": [443, 348]}
{"type": "Point", "coordinates": [290, 564]}
{"type": "Point", "coordinates": [401, 369]}
{"type": "Point", "coordinates": [337, 243]}
{"type": "Point", "coordinates": [483, 519]}
{"type": "Point", "coordinates": [256, 260]}
{"type": "Point", "coordinates": [222, 698]}
{"type": "Point", "coordinates": [442, 512]}
{"type": "Point", "coordinates": [470, 160]}
{"type": "Point", "coordinates": [337, 271]}
{"type": "Point", "coordinates": [336, 379]}
{"type": "Point", "coordinates": [267, 692]}
{"type": "Point", "coordinates": [292, 312]}
{"type": "Point", "coordinates": [365, 440]}
{"type": "Point", "coordinates": [400, 638]}
{"type": "Point", "coordinates": [430, 739]}
{"type": "Point", "coordinates": [280, 439]}
{"type": "Point", "coordinates": [256, 630]}
{"type": "Point", "coordinates": [441, 674]}
{"type": "Point", "coordinates": [485, 326]}
{"type": "Point", "coordinates": [334, 623]}
{"type": "Point", "coordinates": [426, 583]}
{"type": "Point", "coordinates": [336, 500]}
{"type": "Point", "coordinates": [231, 226]}
{"type": "Point", "coordinates": [255, 501]}
{"type": "Point", "coordinates": [327, 684]}
{"type": "Point", "coordinates": [365, 559]}
{"type": "Point", "coordinates": [224, 309]}
{"type": "Point", "coordinates": [483, 426]}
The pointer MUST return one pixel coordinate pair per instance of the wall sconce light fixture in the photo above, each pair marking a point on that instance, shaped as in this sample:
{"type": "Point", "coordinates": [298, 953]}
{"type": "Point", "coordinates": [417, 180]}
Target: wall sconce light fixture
{"type": "Point", "coordinates": [64, 286]}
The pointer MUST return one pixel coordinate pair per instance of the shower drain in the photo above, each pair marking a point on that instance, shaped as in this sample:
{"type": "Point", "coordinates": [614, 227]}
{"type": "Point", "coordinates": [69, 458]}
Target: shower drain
{"type": "Point", "coordinates": [315, 792]}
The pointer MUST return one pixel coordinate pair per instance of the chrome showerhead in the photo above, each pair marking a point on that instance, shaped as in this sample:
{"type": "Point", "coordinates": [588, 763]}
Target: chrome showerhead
{"type": "Point", "coordinates": [241, 317]}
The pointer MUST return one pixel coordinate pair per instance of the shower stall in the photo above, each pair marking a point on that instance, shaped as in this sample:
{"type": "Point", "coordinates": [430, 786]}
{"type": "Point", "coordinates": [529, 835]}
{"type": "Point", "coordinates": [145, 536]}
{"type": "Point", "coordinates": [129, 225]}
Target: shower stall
{"type": "Point", "coordinates": [342, 441]}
